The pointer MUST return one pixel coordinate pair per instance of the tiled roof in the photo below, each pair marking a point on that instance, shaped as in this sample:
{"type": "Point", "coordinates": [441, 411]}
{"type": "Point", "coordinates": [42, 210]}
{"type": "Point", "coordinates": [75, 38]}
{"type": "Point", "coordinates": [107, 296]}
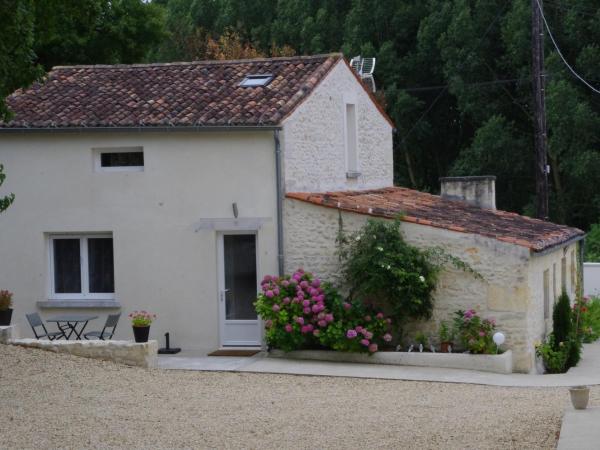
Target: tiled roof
{"type": "Point", "coordinates": [432, 210]}
{"type": "Point", "coordinates": [203, 93]}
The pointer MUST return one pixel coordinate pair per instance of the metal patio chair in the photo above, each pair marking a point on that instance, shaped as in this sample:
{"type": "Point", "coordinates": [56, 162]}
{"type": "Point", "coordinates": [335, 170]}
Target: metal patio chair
{"type": "Point", "coordinates": [105, 334]}
{"type": "Point", "coordinates": [35, 321]}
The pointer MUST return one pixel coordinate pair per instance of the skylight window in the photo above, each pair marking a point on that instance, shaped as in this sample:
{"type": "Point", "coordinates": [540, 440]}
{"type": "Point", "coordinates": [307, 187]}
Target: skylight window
{"type": "Point", "coordinates": [256, 80]}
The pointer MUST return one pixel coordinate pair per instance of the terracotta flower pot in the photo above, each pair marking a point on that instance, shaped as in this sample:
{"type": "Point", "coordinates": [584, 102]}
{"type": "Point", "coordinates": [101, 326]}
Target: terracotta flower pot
{"type": "Point", "coordinates": [141, 333]}
{"type": "Point", "coordinates": [580, 396]}
{"type": "Point", "coordinates": [5, 316]}
{"type": "Point", "coordinates": [445, 346]}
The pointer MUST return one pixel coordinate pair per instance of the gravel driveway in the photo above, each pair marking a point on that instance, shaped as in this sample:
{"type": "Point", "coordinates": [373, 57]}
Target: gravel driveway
{"type": "Point", "coordinates": [60, 401]}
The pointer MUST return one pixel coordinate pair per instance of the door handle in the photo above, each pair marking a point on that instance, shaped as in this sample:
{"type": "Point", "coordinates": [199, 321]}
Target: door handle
{"type": "Point", "coordinates": [223, 294]}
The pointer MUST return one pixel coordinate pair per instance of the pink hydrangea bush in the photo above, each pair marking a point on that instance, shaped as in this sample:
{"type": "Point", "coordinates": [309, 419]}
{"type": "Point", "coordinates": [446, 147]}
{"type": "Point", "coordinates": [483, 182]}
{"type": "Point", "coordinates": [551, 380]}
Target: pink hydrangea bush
{"type": "Point", "coordinates": [293, 310]}
{"type": "Point", "coordinates": [300, 311]}
{"type": "Point", "coordinates": [357, 328]}
{"type": "Point", "coordinates": [476, 334]}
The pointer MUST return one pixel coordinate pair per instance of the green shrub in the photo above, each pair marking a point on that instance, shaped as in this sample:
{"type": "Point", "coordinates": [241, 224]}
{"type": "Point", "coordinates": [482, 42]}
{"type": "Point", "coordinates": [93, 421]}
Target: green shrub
{"type": "Point", "coordinates": [588, 324]}
{"type": "Point", "coordinates": [553, 355]}
{"type": "Point", "coordinates": [561, 319]}
{"type": "Point", "coordinates": [592, 244]}
{"type": "Point", "coordinates": [382, 269]}
{"type": "Point", "coordinates": [562, 349]}
{"type": "Point", "coordinates": [475, 333]}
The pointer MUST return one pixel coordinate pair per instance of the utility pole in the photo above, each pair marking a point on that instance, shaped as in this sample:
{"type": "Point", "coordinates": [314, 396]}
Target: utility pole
{"type": "Point", "coordinates": [539, 87]}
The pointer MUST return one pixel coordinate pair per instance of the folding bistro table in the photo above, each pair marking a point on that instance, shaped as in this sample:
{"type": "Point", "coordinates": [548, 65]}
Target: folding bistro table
{"type": "Point", "coordinates": [68, 323]}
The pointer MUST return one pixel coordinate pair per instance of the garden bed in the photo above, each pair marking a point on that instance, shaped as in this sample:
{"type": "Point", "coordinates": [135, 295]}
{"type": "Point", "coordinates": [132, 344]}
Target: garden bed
{"type": "Point", "coordinates": [501, 363]}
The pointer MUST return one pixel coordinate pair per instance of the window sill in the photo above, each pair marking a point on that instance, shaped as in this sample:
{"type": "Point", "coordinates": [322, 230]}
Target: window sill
{"type": "Point", "coordinates": [96, 304]}
{"type": "Point", "coordinates": [353, 175]}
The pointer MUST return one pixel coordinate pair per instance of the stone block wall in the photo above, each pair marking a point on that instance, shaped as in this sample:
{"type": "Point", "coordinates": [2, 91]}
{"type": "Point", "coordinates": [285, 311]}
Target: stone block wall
{"type": "Point", "coordinates": [504, 293]}
{"type": "Point", "coordinates": [124, 352]}
{"type": "Point", "coordinates": [314, 143]}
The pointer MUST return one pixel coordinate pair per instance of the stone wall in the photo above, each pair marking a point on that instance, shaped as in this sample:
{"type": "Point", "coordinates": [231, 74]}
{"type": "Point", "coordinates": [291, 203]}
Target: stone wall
{"type": "Point", "coordinates": [504, 293]}
{"type": "Point", "coordinates": [313, 139]}
{"type": "Point", "coordinates": [124, 352]}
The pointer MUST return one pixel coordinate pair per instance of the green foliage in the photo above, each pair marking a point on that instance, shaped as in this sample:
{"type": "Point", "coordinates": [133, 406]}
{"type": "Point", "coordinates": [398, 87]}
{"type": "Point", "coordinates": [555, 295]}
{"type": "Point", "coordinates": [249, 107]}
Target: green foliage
{"type": "Point", "coordinates": [475, 333]}
{"type": "Point", "coordinates": [588, 310]}
{"type": "Point", "coordinates": [17, 66]}
{"type": "Point", "coordinates": [562, 349]}
{"type": "Point", "coordinates": [562, 324]}
{"type": "Point", "coordinates": [382, 269]}
{"type": "Point", "coordinates": [7, 200]}
{"type": "Point", "coordinates": [421, 338]}
{"type": "Point", "coordinates": [592, 244]}
{"type": "Point", "coordinates": [445, 334]}
{"type": "Point", "coordinates": [553, 354]}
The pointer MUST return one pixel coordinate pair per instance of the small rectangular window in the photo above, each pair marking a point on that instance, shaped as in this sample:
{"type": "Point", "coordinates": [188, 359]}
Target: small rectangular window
{"type": "Point", "coordinates": [351, 148]}
{"type": "Point", "coordinates": [256, 80]}
{"type": "Point", "coordinates": [546, 294]}
{"type": "Point", "coordinates": [124, 159]}
{"type": "Point", "coordinates": [120, 159]}
{"type": "Point", "coordinates": [82, 267]}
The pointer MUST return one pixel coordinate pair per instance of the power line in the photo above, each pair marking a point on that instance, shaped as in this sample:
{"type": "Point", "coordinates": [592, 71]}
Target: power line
{"type": "Point", "coordinates": [436, 99]}
{"type": "Point", "coordinates": [560, 53]}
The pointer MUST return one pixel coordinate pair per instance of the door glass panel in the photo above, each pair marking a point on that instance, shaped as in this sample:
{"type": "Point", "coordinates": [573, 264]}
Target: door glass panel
{"type": "Point", "coordinates": [67, 266]}
{"type": "Point", "coordinates": [100, 265]}
{"type": "Point", "coordinates": [240, 276]}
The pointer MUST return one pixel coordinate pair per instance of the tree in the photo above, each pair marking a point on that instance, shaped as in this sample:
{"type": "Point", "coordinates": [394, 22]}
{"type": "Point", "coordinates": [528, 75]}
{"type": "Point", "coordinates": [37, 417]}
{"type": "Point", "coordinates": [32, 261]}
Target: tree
{"type": "Point", "coordinates": [5, 201]}
{"type": "Point", "coordinates": [17, 68]}
{"type": "Point", "coordinates": [96, 31]}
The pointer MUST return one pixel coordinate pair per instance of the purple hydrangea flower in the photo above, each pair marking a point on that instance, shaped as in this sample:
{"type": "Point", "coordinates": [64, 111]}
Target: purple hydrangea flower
{"type": "Point", "coordinates": [351, 334]}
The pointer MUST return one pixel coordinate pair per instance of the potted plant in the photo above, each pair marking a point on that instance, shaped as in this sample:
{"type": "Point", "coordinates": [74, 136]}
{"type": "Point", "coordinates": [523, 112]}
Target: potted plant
{"type": "Point", "coordinates": [446, 337]}
{"type": "Point", "coordinates": [140, 321]}
{"type": "Point", "coordinates": [5, 307]}
{"type": "Point", "coordinates": [421, 340]}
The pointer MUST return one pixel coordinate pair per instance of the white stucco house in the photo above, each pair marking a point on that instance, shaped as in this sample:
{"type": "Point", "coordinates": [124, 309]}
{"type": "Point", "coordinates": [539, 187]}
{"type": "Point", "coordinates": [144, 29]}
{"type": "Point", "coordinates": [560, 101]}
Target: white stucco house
{"type": "Point", "coordinates": [175, 187]}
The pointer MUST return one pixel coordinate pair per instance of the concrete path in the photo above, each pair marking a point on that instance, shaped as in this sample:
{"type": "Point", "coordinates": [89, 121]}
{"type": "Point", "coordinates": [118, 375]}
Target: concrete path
{"type": "Point", "coordinates": [580, 430]}
{"type": "Point", "coordinates": [587, 373]}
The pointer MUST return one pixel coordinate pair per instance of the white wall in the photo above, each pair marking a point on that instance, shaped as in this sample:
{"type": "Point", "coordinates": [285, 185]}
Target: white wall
{"type": "Point", "coordinates": [161, 263]}
{"type": "Point", "coordinates": [313, 139]}
{"type": "Point", "coordinates": [591, 279]}
{"type": "Point", "coordinates": [509, 291]}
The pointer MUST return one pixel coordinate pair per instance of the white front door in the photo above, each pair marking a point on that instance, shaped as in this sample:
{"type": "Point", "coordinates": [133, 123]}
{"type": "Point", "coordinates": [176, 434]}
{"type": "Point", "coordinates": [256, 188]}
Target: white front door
{"type": "Point", "coordinates": [238, 286]}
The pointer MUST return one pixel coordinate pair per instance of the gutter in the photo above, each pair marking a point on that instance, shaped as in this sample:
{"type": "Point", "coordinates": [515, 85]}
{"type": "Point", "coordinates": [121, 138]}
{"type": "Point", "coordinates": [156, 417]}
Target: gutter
{"type": "Point", "coordinates": [140, 129]}
{"type": "Point", "coordinates": [280, 260]}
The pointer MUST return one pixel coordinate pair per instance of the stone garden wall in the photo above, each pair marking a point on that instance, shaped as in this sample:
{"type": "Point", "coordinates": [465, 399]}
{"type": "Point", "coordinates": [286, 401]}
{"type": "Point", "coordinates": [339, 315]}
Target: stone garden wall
{"type": "Point", "coordinates": [124, 352]}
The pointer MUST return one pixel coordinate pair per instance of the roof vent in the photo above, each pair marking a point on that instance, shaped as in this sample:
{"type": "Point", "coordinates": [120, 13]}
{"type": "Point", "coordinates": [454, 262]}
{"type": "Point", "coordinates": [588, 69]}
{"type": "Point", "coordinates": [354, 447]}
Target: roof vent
{"type": "Point", "coordinates": [364, 67]}
{"type": "Point", "coordinates": [256, 80]}
{"type": "Point", "coordinates": [477, 191]}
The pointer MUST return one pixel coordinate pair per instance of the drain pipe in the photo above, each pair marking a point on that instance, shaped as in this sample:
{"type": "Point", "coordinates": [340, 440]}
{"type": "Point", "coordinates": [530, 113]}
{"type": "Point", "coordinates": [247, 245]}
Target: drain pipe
{"type": "Point", "coordinates": [279, 202]}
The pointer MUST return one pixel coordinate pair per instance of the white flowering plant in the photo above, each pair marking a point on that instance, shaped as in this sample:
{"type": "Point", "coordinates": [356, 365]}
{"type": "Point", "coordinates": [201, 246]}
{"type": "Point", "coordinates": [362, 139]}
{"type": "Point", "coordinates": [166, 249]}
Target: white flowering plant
{"type": "Point", "coordinates": [382, 269]}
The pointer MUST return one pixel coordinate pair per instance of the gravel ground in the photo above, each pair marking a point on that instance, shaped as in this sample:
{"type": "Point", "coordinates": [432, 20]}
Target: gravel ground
{"type": "Point", "coordinates": [60, 401]}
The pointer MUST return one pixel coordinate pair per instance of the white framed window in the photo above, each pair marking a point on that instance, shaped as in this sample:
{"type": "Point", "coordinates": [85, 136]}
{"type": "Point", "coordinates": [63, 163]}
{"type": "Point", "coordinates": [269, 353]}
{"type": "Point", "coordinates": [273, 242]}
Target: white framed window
{"type": "Point", "coordinates": [119, 159]}
{"type": "Point", "coordinates": [81, 266]}
{"type": "Point", "coordinates": [352, 166]}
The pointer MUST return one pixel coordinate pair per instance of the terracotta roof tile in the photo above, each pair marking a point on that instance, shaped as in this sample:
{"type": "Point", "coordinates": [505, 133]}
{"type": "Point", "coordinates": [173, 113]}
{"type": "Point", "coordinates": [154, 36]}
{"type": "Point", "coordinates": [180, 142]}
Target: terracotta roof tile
{"type": "Point", "coordinates": [432, 210]}
{"type": "Point", "coordinates": [178, 94]}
